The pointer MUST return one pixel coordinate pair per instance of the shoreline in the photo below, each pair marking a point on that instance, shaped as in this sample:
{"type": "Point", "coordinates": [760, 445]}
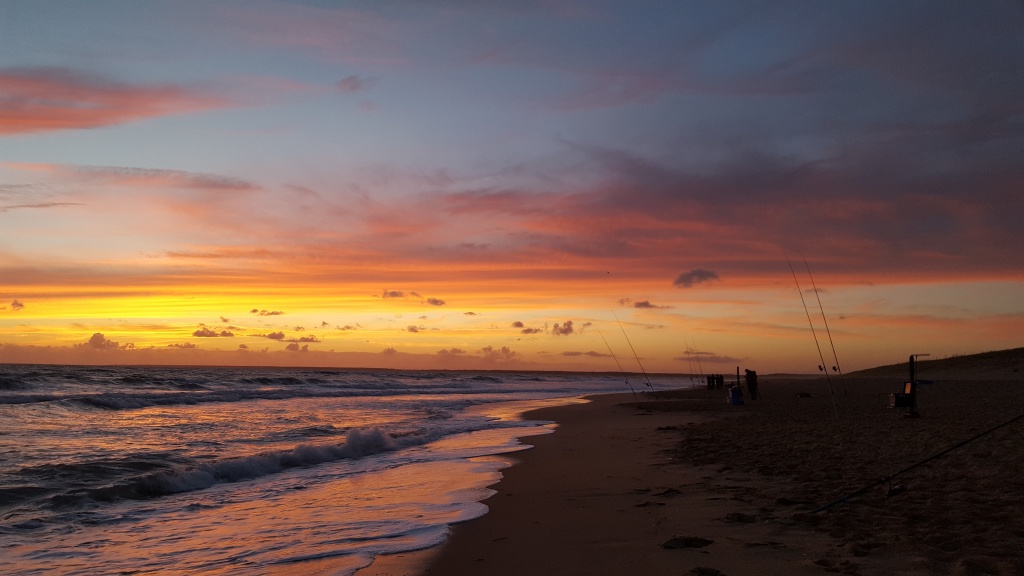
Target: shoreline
{"type": "Point", "coordinates": [601, 495]}
{"type": "Point", "coordinates": [620, 480]}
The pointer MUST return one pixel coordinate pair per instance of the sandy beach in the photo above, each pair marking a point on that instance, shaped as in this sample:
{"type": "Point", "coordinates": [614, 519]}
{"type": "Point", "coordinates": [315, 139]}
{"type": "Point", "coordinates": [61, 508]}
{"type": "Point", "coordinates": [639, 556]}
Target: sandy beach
{"type": "Point", "coordinates": [682, 483]}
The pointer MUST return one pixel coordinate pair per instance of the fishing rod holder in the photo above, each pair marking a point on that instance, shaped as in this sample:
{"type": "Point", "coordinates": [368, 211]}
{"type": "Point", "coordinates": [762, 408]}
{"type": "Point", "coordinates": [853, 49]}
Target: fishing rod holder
{"type": "Point", "coordinates": [908, 398]}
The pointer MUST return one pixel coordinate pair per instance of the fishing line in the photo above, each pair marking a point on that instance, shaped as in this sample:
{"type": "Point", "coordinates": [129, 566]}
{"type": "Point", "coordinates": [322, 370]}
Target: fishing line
{"type": "Point", "coordinates": [618, 364]}
{"type": "Point", "coordinates": [648, 380]}
{"type": "Point", "coordinates": [697, 354]}
{"type": "Point", "coordinates": [816, 345]}
{"type": "Point", "coordinates": [827, 331]}
{"type": "Point", "coordinates": [689, 360]}
{"type": "Point", "coordinates": [890, 477]}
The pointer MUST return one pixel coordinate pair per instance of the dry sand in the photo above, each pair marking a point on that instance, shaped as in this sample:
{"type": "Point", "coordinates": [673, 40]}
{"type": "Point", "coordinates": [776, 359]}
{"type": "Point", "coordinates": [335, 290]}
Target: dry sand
{"type": "Point", "coordinates": [681, 483]}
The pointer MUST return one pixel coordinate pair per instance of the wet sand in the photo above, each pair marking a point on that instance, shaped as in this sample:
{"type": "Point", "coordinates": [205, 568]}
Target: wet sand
{"type": "Point", "coordinates": [682, 483]}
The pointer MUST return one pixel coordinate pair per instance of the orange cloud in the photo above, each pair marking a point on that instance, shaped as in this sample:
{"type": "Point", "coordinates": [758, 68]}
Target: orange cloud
{"type": "Point", "coordinates": [45, 99]}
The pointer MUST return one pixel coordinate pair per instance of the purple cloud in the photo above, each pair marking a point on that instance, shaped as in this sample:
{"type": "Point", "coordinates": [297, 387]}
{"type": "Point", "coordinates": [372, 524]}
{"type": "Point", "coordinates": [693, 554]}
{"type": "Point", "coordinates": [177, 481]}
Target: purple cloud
{"type": "Point", "coordinates": [502, 354]}
{"type": "Point", "coordinates": [350, 84]}
{"type": "Point", "coordinates": [695, 276]}
{"type": "Point", "coordinates": [562, 330]}
{"type": "Point", "coordinates": [206, 332]}
{"type": "Point", "coordinates": [646, 304]}
{"type": "Point", "coordinates": [100, 342]}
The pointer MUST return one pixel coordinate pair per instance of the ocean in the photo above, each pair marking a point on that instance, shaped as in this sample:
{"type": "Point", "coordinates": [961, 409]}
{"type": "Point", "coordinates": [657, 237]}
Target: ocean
{"type": "Point", "coordinates": [145, 470]}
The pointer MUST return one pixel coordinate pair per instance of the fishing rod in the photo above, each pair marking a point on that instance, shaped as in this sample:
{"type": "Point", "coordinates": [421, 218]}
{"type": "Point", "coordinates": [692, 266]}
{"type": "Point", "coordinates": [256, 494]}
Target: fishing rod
{"type": "Point", "coordinates": [817, 295]}
{"type": "Point", "coordinates": [624, 375]}
{"type": "Point", "coordinates": [890, 477]}
{"type": "Point", "coordinates": [699, 367]}
{"type": "Point", "coordinates": [689, 360]}
{"type": "Point", "coordinates": [648, 380]}
{"type": "Point", "coordinates": [813, 334]}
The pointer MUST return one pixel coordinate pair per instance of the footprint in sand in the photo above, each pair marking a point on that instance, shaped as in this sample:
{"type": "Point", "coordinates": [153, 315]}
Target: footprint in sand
{"type": "Point", "coordinates": [686, 542]}
{"type": "Point", "coordinates": [705, 571]}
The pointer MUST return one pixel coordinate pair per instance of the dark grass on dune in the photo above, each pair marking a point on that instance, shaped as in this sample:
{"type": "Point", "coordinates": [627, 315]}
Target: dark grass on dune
{"type": "Point", "coordinates": [996, 365]}
{"type": "Point", "coordinates": [962, 513]}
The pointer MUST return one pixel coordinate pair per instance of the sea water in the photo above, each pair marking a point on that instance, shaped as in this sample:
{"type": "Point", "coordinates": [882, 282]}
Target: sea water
{"type": "Point", "coordinates": [114, 470]}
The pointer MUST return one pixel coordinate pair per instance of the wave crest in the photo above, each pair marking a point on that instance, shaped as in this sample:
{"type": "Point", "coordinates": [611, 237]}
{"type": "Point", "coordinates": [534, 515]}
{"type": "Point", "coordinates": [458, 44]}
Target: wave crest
{"type": "Point", "coordinates": [358, 443]}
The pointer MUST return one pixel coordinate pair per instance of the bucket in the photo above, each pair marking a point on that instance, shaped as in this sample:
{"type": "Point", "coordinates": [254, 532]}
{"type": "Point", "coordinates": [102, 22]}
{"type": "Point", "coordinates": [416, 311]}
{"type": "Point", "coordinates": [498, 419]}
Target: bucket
{"type": "Point", "coordinates": [735, 396]}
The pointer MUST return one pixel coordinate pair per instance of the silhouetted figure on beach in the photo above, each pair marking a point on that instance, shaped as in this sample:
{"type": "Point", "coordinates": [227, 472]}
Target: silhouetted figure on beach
{"type": "Point", "coordinates": [751, 378]}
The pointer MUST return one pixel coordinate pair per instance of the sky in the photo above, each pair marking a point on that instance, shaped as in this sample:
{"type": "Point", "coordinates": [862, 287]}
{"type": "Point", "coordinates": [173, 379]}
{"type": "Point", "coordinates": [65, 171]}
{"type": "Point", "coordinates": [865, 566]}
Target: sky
{"type": "Point", "coordinates": [684, 187]}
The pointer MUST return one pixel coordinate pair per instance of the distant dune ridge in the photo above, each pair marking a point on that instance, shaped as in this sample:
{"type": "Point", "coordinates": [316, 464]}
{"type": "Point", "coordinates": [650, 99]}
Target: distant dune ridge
{"type": "Point", "coordinates": [986, 365]}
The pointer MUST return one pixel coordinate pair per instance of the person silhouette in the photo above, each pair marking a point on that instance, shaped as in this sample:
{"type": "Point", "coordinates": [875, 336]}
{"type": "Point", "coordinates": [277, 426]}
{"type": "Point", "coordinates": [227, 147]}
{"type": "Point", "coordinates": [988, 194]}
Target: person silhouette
{"type": "Point", "coordinates": [751, 378]}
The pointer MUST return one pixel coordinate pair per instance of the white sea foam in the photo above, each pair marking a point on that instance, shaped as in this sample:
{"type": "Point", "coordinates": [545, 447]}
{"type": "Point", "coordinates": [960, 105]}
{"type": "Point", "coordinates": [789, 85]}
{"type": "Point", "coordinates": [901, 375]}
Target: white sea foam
{"type": "Point", "coordinates": [358, 443]}
{"type": "Point", "coordinates": [198, 468]}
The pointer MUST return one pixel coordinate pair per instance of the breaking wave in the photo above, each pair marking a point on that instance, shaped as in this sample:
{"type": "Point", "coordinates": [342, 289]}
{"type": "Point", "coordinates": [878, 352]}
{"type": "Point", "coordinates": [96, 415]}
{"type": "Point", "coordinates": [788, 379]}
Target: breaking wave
{"type": "Point", "coordinates": [358, 443]}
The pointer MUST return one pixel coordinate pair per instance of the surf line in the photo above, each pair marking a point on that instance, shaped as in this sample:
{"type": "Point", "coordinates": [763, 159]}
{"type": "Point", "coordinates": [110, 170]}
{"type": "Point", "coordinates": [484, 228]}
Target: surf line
{"type": "Point", "coordinates": [814, 335]}
{"type": "Point", "coordinates": [617, 363]}
{"type": "Point", "coordinates": [835, 356]}
{"type": "Point", "coordinates": [648, 380]}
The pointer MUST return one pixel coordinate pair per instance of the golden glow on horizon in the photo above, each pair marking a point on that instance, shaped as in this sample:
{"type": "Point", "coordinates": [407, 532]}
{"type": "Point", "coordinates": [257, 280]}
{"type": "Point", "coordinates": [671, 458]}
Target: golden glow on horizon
{"type": "Point", "coordinates": [321, 325]}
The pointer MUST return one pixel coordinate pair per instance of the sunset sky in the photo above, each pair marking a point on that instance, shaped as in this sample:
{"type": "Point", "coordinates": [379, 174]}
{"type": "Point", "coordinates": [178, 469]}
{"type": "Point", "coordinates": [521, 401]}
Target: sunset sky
{"type": "Point", "coordinates": [510, 184]}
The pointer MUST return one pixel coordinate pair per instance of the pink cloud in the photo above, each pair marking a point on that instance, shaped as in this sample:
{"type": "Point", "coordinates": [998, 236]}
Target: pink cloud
{"type": "Point", "coordinates": [38, 205]}
{"type": "Point", "coordinates": [336, 34]}
{"type": "Point", "coordinates": [41, 100]}
{"type": "Point", "coordinates": [146, 177]}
